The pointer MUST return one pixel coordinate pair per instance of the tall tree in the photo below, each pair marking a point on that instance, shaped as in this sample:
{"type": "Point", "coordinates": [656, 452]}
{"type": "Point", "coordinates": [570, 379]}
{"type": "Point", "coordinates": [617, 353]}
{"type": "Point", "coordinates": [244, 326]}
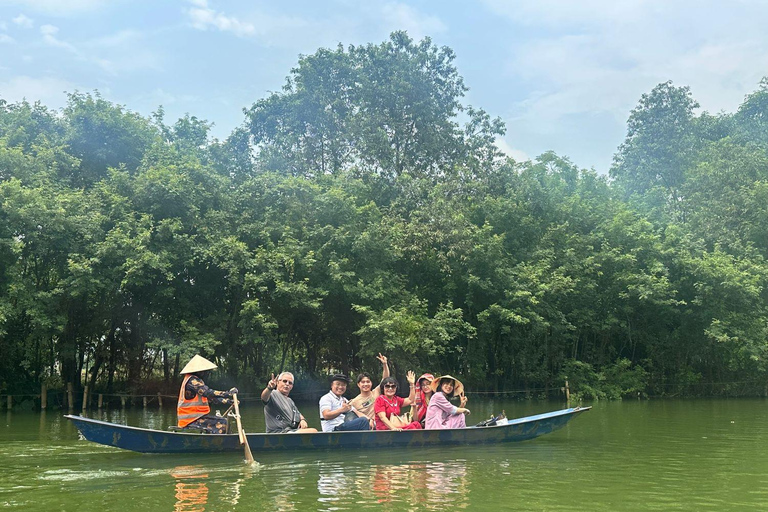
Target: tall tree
{"type": "Point", "coordinates": [389, 109]}
{"type": "Point", "coordinates": [659, 146]}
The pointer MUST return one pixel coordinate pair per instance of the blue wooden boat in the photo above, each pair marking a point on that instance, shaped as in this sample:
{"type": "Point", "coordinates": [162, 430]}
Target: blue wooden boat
{"type": "Point", "coordinates": [158, 441]}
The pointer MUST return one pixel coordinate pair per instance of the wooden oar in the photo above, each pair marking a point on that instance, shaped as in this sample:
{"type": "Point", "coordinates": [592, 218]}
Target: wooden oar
{"type": "Point", "coordinates": [243, 438]}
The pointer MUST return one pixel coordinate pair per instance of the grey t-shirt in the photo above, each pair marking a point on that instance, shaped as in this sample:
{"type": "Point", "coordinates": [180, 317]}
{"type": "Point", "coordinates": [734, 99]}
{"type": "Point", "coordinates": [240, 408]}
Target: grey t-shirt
{"type": "Point", "coordinates": [280, 413]}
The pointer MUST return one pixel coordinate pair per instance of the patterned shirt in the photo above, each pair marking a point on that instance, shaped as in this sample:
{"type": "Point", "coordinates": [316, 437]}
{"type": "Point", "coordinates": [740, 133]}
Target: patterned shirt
{"type": "Point", "coordinates": [196, 386]}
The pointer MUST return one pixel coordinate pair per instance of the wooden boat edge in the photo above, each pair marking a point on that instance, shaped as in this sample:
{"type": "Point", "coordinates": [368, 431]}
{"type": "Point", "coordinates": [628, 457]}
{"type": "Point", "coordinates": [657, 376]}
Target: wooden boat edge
{"type": "Point", "coordinates": [159, 441]}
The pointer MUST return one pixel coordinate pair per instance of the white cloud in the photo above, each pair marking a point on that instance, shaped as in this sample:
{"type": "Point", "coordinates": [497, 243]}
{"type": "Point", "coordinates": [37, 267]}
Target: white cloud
{"type": "Point", "coordinates": [49, 30]}
{"type": "Point", "coordinates": [6, 39]}
{"type": "Point", "coordinates": [49, 91]}
{"type": "Point", "coordinates": [400, 16]}
{"type": "Point", "coordinates": [124, 49]}
{"type": "Point", "coordinates": [599, 56]}
{"type": "Point", "coordinates": [23, 21]}
{"type": "Point", "coordinates": [49, 36]}
{"type": "Point", "coordinates": [280, 30]}
{"type": "Point", "coordinates": [203, 17]}
{"type": "Point", "coordinates": [160, 96]}
{"type": "Point", "coordinates": [557, 13]}
{"type": "Point", "coordinates": [58, 7]}
{"type": "Point", "coordinates": [516, 154]}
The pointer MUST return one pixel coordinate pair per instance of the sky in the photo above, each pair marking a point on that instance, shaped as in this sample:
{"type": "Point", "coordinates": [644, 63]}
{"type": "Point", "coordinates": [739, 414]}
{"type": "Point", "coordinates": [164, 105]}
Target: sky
{"type": "Point", "coordinates": [562, 74]}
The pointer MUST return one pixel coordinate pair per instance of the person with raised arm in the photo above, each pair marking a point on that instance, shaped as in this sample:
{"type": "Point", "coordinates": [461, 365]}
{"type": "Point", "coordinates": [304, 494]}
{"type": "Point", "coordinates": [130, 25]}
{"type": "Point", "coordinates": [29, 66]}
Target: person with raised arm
{"type": "Point", "coordinates": [388, 404]}
{"type": "Point", "coordinates": [280, 413]}
{"type": "Point", "coordinates": [441, 413]}
{"type": "Point", "coordinates": [423, 395]}
{"type": "Point", "coordinates": [363, 402]}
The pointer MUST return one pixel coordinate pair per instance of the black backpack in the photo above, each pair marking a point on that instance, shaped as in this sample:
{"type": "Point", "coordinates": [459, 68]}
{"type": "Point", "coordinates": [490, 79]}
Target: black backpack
{"type": "Point", "coordinates": [490, 421]}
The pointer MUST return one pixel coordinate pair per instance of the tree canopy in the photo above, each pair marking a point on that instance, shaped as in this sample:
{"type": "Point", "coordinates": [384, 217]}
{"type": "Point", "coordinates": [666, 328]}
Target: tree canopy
{"type": "Point", "coordinates": [366, 209]}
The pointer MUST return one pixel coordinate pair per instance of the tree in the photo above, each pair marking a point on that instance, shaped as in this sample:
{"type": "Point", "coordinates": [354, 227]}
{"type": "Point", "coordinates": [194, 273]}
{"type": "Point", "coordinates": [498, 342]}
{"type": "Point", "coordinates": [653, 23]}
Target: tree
{"type": "Point", "coordinates": [103, 135]}
{"type": "Point", "coordinates": [660, 144]}
{"type": "Point", "coordinates": [386, 109]}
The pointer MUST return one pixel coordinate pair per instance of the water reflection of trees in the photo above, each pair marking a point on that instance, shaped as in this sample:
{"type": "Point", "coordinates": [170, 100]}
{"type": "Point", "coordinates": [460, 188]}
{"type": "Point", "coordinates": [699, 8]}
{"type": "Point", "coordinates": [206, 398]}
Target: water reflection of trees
{"type": "Point", "coordinates": [428, 485]}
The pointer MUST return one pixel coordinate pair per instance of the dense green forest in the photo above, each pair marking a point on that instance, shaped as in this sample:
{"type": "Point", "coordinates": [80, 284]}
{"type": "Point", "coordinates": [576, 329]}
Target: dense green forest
{"type": "Point", "coordinates": [364, 208]}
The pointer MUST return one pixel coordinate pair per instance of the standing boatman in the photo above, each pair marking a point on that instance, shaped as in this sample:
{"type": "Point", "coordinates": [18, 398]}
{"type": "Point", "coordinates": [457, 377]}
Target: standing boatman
{"type": "Point", "coordinates": [194, 396]}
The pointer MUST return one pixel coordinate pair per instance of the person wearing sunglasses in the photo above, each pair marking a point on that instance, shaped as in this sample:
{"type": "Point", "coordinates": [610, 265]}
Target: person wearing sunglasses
{"type": "Point", "coordinates": [280, 412]}
{"type": "Point", "coordinates": [387, 405]}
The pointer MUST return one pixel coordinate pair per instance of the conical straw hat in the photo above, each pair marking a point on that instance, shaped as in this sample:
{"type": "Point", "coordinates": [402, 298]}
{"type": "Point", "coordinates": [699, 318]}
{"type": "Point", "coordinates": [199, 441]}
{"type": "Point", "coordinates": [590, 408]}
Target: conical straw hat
{"type": "Point", "coordinates": [198, 364]}
{"type": "Point", "coordinates": [458, 387]}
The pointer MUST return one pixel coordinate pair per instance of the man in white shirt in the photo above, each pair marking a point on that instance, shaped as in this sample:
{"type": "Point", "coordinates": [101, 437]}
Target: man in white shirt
{"type": "Point", "coordinates": [334, 408]}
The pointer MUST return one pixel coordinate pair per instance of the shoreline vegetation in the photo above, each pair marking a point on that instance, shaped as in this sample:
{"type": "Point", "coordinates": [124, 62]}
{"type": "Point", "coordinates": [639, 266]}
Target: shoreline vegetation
{"type": "Point", "coordinates": [364, 209]}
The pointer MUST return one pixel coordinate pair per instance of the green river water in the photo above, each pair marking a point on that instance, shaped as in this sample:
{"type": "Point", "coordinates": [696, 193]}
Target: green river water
{"type": "Point", "coordinates": [632, 455]}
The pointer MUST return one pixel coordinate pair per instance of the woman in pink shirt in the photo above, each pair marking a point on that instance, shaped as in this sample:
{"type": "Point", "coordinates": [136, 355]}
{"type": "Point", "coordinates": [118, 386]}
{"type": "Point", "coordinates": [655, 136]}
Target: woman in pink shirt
{"type": "Point", "coordinates": [440, 412]}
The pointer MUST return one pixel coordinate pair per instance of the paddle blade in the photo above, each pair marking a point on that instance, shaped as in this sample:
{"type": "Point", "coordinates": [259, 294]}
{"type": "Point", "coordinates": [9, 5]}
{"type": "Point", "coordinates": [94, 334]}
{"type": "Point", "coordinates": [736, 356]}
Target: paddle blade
{"type": "Point", "coordinates": [248, 454]}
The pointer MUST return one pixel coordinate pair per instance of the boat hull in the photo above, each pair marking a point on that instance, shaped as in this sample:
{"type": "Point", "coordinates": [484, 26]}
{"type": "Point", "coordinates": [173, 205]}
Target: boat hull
{"type": "Point", "coordinates": [158, 441]}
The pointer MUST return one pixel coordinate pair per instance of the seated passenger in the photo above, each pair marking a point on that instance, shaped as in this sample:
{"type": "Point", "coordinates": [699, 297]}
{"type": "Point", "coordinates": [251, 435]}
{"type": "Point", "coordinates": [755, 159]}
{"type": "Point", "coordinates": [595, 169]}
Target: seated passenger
{"type": "Point", "coordinates": [387, 405]}
{"type": "Point", "coordinates": [440, 412]}
{"type": "Point", "coordinates": [192, 409]}
{"type": "Point", "coordinates": [334, 408]}
{"type": "Point", "coordinates": [368, 394]}
{"type": "Point", "coordinates": [423, 395]}
{"type": "Point", "coordinates": [280, 413]}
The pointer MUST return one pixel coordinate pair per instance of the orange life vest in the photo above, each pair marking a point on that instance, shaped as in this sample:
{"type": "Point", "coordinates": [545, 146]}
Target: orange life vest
{"type": "Point", "coordinates": [189, 410]}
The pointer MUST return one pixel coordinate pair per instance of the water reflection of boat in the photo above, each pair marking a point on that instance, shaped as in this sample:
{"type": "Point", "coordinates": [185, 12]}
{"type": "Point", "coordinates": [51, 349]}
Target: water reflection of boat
{"type": "Point", "coordinates": [412, 485]}
{"type": "Point", "coordinates": [191, 489]}
{"type": "Point", "coordinates": [158, 441]}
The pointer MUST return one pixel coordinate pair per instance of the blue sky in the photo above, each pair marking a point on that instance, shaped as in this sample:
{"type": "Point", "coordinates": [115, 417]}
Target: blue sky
{"type": "Point", "coordinates": [563, 75]}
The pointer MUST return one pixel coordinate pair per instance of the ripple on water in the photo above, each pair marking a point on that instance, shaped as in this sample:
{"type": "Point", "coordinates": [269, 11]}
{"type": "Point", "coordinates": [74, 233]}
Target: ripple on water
{"type": "Point", "coordinates": [69, 475]}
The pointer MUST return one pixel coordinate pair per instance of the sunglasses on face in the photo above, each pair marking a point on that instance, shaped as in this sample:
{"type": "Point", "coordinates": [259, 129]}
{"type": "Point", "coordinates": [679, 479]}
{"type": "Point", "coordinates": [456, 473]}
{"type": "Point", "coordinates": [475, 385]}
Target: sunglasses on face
{"type": "Point", "coordinates": [287, 382]}
{"type": "Point", "coordinates": [390, 386]}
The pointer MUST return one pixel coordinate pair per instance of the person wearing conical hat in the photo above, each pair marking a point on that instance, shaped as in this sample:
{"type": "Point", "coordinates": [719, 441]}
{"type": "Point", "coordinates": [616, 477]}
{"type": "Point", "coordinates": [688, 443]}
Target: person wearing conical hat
{"type": "Point", "coordinates": [441, 413]}
{"type": "Point", "coordinates": [193, 409]}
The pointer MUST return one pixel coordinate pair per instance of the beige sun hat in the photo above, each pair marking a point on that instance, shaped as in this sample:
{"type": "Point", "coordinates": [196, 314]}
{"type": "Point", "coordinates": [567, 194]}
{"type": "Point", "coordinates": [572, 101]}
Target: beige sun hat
{"type": "Point", "coordinates": [458, 387]}
{"type": "Point", "coordinates": [198, 364]}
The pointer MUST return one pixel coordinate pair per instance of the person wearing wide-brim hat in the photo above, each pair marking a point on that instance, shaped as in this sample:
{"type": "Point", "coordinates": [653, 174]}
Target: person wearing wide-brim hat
{"type": "Point", "coordinates": [334, 408]}
{"type": "Point", "coordinates": [193, 409]}
{"type": "Point", "coordinates": [441, 414]}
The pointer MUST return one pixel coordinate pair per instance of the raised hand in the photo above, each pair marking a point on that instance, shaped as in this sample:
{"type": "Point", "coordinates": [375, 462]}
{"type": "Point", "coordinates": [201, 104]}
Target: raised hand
{"type": "Point", "coordinates": [272, 384]}
{"type": "Point", "coordinates": [382, 358]}
{"type": "Point", "coordinates": [411, 377]}
{"type": "Point", "coordinates": [462, 400]}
